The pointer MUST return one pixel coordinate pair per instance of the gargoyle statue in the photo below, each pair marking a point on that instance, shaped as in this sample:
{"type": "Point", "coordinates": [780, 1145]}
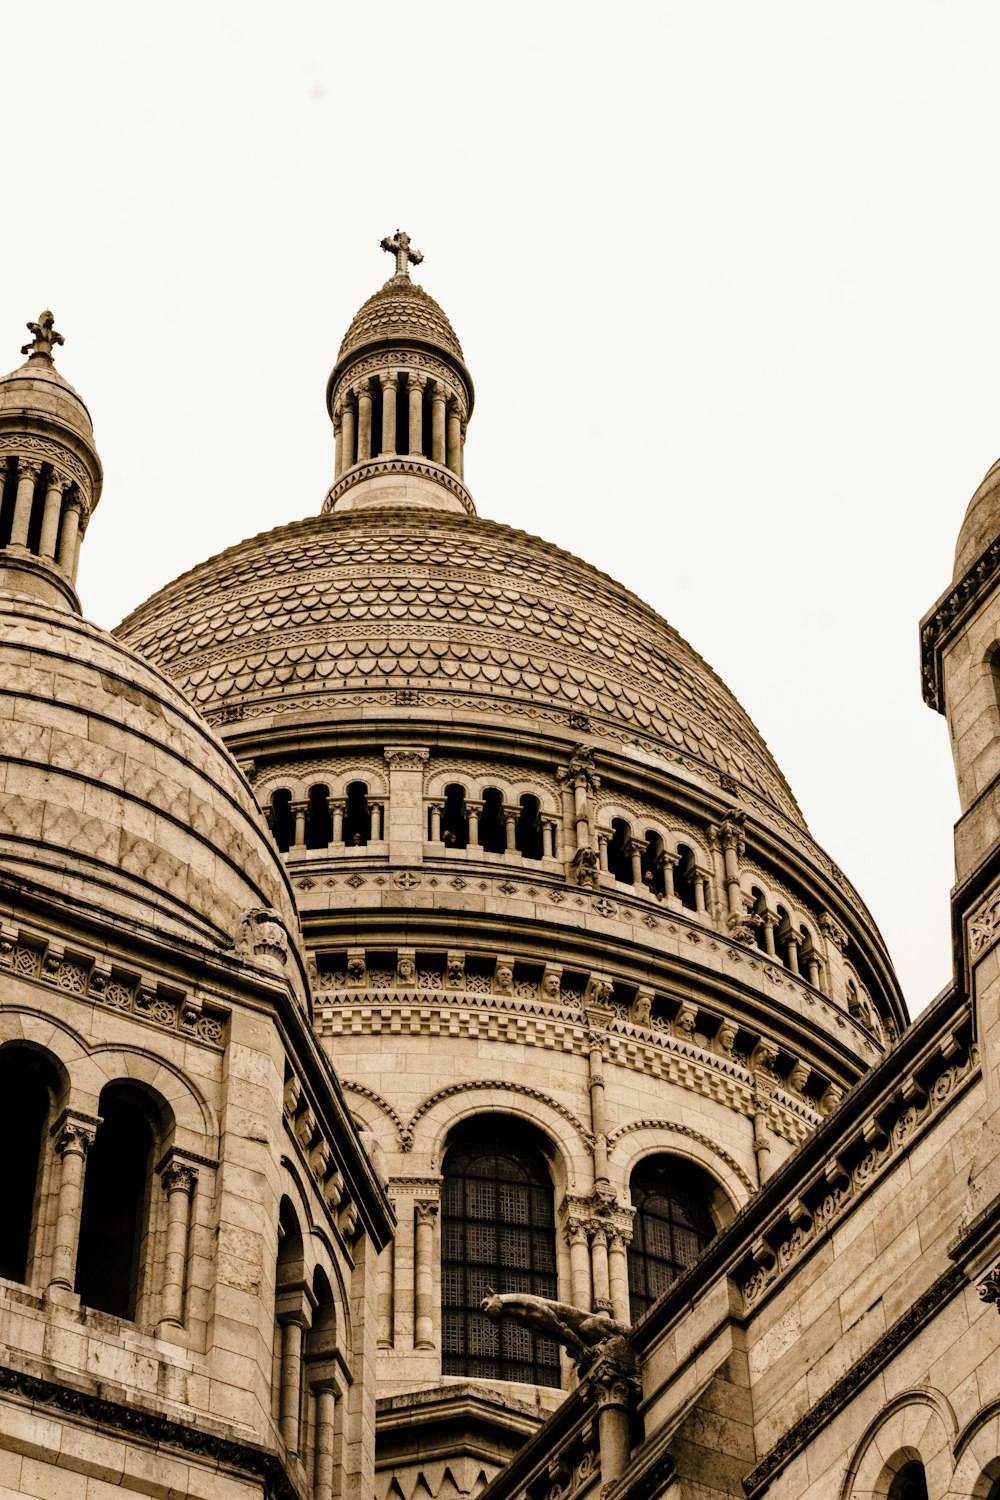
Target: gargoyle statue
{"type": "Point", "coordinates": [582, 1333]}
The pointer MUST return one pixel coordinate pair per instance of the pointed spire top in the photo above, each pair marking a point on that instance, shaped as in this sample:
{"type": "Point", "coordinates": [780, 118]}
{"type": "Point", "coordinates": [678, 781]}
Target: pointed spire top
{"type": "Point", "coordinates": [399, 246]}
{"type": "Point", "coordinates": [45, 336]}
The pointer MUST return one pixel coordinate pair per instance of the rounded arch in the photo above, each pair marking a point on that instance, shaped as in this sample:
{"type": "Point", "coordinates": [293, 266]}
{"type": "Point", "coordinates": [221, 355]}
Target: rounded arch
{"type": "Point", "coordinates": [917, 1426]}
{"type": "Point", "coordinates": [977, 1457]}
{"type": "Point", "coordinates": [672, 1224]}
{"type": "Point", "coordinates": [630, 1144]}
{"type": "Point", "coordinates": [65, 1046]}
{"type": "Point", "coordinates": [378, 1115]}
{"type": "Point", "coordinates": [477, 780]}
{"type": "Point", "coordinates": [429, 1128]}
{"type": "Point", "coordinates": [334, 773]}
{"type": "Point", "coordinates": [194, 1124]}
{"type": "Point", "coordinates": [318, 1252]}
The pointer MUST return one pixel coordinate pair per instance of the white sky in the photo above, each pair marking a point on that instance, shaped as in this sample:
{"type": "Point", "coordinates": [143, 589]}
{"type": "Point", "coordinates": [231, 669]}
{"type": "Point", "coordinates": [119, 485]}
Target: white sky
{"type": "Point", "coordinates": [725, 275]}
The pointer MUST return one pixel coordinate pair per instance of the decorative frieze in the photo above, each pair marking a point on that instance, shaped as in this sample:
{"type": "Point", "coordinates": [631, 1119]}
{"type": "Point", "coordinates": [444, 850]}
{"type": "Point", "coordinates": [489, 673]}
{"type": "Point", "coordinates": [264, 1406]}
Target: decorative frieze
{"type": "Point", "coordinates": [33, 958]}
{"type": "Point", "coordinates": [983, 926]}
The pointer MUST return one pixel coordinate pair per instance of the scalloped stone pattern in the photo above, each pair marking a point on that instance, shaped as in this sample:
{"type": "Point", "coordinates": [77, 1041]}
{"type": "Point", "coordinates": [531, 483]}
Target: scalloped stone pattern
{"type": "Point", "coordinates": [400, 310]}
{"type": "Point", "coordinates": [456, 612]}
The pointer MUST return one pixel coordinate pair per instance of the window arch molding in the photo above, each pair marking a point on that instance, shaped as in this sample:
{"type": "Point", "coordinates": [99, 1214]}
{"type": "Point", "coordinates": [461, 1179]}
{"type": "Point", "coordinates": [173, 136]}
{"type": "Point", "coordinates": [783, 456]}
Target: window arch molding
{"type": "Point", "coordinates": [479, 780]}
{"type": "Point", "coordinates": [337, 775]}
{"type": "Point", "coordinates": [916, 1426]}
{"type": "Point", "coordinates": [34, 1088]}
{"type": "Point", "coordinates": [673, 1222]}
{"type": "Point", "coordinates": [640, 819]}
{"type": "Point", "coordinates": [629, 1147]}
{"type": "Point", "coordinates": [46, 1033]}
{"type": "Point", "coordinates": [977, 1456]}
{"type": "Point", "coordinates": [192, 1124]}
{"type": "Point", "coordinates": [569, 1152]}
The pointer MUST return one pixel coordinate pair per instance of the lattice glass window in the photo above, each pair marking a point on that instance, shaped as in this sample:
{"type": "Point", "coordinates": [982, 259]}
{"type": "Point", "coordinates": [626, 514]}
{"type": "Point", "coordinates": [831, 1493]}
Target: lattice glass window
{"type": "Point", "coordinates": [672, 1226]}
{"type": "Point", "coordinates": [498, 1232]}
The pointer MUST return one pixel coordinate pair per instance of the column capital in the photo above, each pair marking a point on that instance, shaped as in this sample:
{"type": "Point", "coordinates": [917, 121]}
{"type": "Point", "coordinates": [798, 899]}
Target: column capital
{"type": "Point", "coordinates": [426, 1210]}
{"type": "Point", "coordinates": [57, 481]}
{"type": "Point", "coordinates": [74, 500]}
{"type": "Point", "coordinates": [74, 1133]}
{"type": "Point", "coordinates": [387, 378]}
{"type": "Point", "coordinates": [416, 381]}
{"type": "Point", "coordinates": [439, 392]}
{"type": "Point", "coordinates": [362, 390]}
{"type": "Point", "coordinates": [406, 757]}
{"type": "Point", "coordinates": [29, 468]}
{"type": "Point", "coordinates": [179, 1177]}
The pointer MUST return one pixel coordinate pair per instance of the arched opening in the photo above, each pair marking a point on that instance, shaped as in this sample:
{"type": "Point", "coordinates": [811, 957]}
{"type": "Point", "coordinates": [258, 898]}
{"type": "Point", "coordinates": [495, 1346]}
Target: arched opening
{"type": "Point", "coordinates": [281, 819]}
{"type": "Point", "coordinates": [319, 823]}
{"type": "Point", "coordinates": [782, 931]}
{"type": "Point", "coordinates": [685, 876]}
{"type": "Point", "coordinates": [671, 1228]}
{"type": "Point", "coordinates": [759, 912]}
{"type": "Point", "coordinates": [454, 821]}
{"type": "Point", "coordinates": [492, 835]}
{"type": "Point", "coordinates": [910, 1483]}
{"type": "Point", "coordinates": [498, 1232]}
{"type": "Point", "coordinates": [287, 1384]}
{"type": "Point", "coordinates": [619, 858]}
{"type": "Point", "coordinates": [28, 1087]}
{"type": "Point", "coordinates": [115, 1212]}
{"type": "Point", "coordinates": [652, 865]}
{"type": "Point", "coordinates": [357, 815]}
{"type": "Point", "coordinates": [528, 830]}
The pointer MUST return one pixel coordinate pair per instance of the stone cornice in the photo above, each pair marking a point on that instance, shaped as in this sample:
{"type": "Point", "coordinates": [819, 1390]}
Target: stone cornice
{"type": "Point", "coordinates": [948, 615]}
{"type": "Point", "coordinates": [258, 1465]}
{"type": "Point", "coordinates": [399, 463]}
{"type": "Point", "coordinates": [819, 1416]}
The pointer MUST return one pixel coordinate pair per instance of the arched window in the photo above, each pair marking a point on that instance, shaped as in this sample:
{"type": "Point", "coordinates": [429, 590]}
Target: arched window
{"type": "Point", "coordinates": [672, 1225]}
{"type": "Point", "coordinates": [619, 858]}
{"type": "Point", "coordinates": [910, 1483]}
{"type": "Point", "coordinates": [115, 1213]}
{"type": "Point", "coordinates": [492, 834]}
{"type": "Point", "coordinates": [685, 876]}
{"type": "Point", "coordinates": [652, 865]}
{"type": "Point", "coordinates": [759, 910]}
{"type": "Point", "coordinates": [321, 1369]}
{"type": "Point", "coordinates": [28, 1087]}
{"type": "Point", "coordinates": [454, 823]}
{"type": "Point", "coordinates": [782, 931]}
{"type": "Point", "coordinates": [528, 832]}
{"type": "Point", "coordinates": [498, 1232]}
{"type": "Point", "coordinates": [357, 815]}
{"type": "Point", "coordinates": [281, 819]}
{"type": "Point", "coordinates": [319, 824]}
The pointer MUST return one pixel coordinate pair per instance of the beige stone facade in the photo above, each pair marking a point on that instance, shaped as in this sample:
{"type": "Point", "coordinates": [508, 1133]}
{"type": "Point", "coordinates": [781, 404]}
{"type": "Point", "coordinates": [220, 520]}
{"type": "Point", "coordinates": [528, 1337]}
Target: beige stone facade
{"type": "Point", "coordinates": [535, 923]}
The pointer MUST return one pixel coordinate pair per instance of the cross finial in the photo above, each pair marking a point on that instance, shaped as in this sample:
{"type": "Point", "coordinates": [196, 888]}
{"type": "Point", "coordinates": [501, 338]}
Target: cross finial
{"type": "Point", "coordinates": [45, 336]}
{"type": "Point", "coordinates": [399, 246]}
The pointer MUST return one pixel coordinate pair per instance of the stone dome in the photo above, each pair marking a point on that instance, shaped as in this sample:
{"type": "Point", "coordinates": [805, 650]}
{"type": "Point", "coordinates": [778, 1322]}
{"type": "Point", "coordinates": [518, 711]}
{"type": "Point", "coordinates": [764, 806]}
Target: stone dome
{"type": "Point", "coordinates": [444, 613]}
{"type": "Point", "coordinates": [981, 525]}
{"type": "Point", "coordinates": [400, 310]}
{"type": "Point", "coordinates": [115, 794]}
{"type": "Point", "coordinates": [37, 389]}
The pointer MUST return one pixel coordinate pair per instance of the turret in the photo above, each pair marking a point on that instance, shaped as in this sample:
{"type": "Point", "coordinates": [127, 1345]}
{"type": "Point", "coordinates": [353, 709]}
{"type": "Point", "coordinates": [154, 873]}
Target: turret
{"type": "Point", "coordinates": [51, 474]}
{"type": "Point", "coordinates": [399, 398]}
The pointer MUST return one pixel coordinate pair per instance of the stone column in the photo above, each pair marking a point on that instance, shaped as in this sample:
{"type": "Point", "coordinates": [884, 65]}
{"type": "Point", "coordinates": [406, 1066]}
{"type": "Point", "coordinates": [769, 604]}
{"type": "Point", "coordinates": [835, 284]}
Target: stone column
{"type": "Point", "coordinates": [472, 811]}
{"type": "Point", "coordinates": [423, 1274]}
{"type": "Point", "coordinates": [348, 435]}
{"type": "Point", "coordinates": [388, 380]}
{"type": "Point", "coordinates": [612, 1388]}
{"type": "Point", "coordinates": [668, 864]}
{"type": "Point", "coordinates": [73, 1140]}
{"type": "Point", "coordinates": [338, 452]}
{"type": "Point", "coordinates": [376, 811]}
{"type": "Point", "coordinates": [386, 1295]}
{"type": "Point", "coordinates": [636, 849]}
{"type": "Point", "coordinates": [602, 853]}
{"type": "Point", "coordinates": [50, 516]}
{"type": "Point", "coordinates": [299, 810]}
{"type": "Point", "coordinates": [548, 838]}
{"type": "Point", "coordinates": [454, 438]}
{"type": "Point", "coordinates": [792, 942]}
{"type": "Point", "coordinates": [325, 1396]}
{"type": "Point", "coordinates": [618, 1274]}
{"type": "Point", "coordinates": [28, 473]}
{"type": "Point", "coordinates": [178, 1183]}
{"type": "Point", "coordinates": [437, 808]}
{"type": "Point", "coordinates": [415, 385]}
{"type": "Point", "coordinates": [700, 889]}
{"type": "Point", "coordinates": [337, 808]}
{"type": "Point", "coordinates": [292, 1328]}
{"type": "Point", "coordinates": [364, 395]}
{"type": "Point", "coordinates": [579, 1264]}
{"type": "Point", "coordinates": [811, 961]}
{"type": "Point", "coordinates": [580, 812]}
{"type": "Point", "coordinates": [510, 830]}
{"type": "Point", "coordinates": [731, 843]}
{"type": "Point", "coordinates": [599, 1266]}
{"type": "Point", "coordinates": [439, 399]}
{"type": "Point", "coordinates": [69, 535]}
{"type": "Point", "coordinates": [770, 923]}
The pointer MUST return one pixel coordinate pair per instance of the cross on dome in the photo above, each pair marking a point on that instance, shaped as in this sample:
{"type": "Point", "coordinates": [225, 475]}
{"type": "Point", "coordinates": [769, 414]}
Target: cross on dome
{"type": "Point", "coordinates": [45, 336]}
{"type": "Point", "coordinates": [399, 246]}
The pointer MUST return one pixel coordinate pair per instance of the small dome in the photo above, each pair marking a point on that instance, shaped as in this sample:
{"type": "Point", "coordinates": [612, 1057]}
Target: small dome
{"type": "Point", "coordinates": [400, 310]}
{"type": "Point", "coordinates": [37, 389]}
{"type": "Point", "coordinates": [982, 522]}
{"type": "Point", "coordinates": [114, 793]}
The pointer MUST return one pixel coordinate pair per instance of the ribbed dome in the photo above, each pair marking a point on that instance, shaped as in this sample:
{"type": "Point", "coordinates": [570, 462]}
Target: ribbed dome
{"type": "Point", "coordinates": [37, 389]}
{"type": "Point", "coordinates": [400, 310]}
{"type": "Point", "coordinates": [981, 525]}
{"type": "Point", "coordinates": [114, 793]}
{"type": "Point", "coordinates": [447, 614]}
